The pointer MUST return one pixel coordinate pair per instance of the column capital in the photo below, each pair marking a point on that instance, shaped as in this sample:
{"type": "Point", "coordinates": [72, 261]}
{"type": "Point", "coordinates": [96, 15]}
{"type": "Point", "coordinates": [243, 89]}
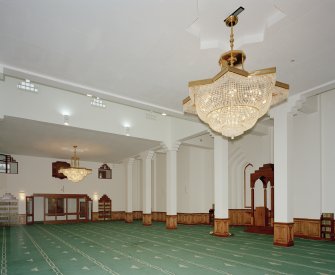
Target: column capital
{"type": "Point", "coordinates": [174, 146]}
{"type": "Point", "coordinates": [147, 155]}
{"type": "Point", "coordinates": [130, 161]}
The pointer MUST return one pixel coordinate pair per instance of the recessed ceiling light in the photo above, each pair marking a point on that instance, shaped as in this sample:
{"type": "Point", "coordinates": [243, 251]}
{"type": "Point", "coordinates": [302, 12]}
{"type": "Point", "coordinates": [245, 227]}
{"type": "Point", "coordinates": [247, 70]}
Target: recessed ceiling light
{"type": "Point", "coordinates": [66, 120]}
{"type": "Point", "coordinates": [89, 95]}
{"type": "Point", "coordinates": [163, 114]}
{"type": "Point", "coordinates": [127, 131]}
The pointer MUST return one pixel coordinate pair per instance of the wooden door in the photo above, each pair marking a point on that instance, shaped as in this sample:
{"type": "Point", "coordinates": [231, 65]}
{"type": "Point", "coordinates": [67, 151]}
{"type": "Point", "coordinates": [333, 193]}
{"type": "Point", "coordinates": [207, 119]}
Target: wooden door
{"type": "Point", "coordinates": [29, 209]}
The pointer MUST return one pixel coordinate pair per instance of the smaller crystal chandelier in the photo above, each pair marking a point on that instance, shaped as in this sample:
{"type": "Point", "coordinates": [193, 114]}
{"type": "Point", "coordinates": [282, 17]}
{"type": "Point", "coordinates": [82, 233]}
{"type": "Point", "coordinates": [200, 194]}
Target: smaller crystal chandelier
{"type": "Point", "coordinates": [233, 100]}
{"type": "Point", "coordinates": [75, 173]}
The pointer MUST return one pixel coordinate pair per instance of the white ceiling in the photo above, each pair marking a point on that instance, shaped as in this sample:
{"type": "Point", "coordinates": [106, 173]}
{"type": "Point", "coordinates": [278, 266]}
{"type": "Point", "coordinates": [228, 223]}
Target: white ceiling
{"type": "Point", "coordinates": [34, 138]}
{"type": "Point", "coordinates": [144, 53]}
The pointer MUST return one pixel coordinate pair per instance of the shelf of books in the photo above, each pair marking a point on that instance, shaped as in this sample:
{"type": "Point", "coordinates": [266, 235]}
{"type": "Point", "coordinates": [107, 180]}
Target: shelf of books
{"type": "Point", "coordinates": [327, 226]}
{"type": "Point", "coordinates": [8, 210]}
{"type": "Point", "coordinates": [105, 208]}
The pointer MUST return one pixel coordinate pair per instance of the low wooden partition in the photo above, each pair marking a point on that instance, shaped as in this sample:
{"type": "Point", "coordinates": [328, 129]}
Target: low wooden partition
{"type": "Point", "coordinates": [240, 216]}
{"type": "Point", "coordinates": [307, 228]}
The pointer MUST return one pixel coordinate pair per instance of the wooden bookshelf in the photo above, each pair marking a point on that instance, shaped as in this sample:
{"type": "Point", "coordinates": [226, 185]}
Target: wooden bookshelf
{"type": "Point", "coordinates": [105, 208]}
{"type": "Point", "coordinates": [8, 210]}
{"type": "Point", "coordinates": [327, 226]}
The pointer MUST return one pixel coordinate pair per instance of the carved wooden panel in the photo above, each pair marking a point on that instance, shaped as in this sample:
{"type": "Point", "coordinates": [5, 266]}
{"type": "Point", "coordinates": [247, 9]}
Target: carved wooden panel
{"type": "Point", "coordinates": [221, 227]}
{"type": "Point", "coordinates": [147, 219]}
{"type": "Point", "coordinates": [307, 228]}
{"type": "Point", "coordinates": [283, 234]}
{"type": "Point", "coordinates": [58, 165]}
{"type": "Point", "coordinates": [171, 221]}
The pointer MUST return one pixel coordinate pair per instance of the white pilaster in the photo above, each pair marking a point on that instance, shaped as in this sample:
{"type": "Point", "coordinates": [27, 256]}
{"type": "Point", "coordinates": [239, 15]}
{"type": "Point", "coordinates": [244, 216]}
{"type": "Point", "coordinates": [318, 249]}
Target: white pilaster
{"type": "Point", "coordinates": [154, 184]}
{"type": "Point", "coordinates": [283, 188]}
{"type": "Point", "coordinates": [171, 179]}
{"type": "Point", "coordinates": [129, 185]}
{"type": "Point", "coordinates": [221, 189]}
{"type": "Point", "coordinates": [146, 158]}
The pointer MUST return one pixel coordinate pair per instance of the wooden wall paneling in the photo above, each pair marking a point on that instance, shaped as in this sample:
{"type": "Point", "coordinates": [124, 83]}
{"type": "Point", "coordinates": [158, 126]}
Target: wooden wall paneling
{"type": "Point", "coordinates": [307, 228]}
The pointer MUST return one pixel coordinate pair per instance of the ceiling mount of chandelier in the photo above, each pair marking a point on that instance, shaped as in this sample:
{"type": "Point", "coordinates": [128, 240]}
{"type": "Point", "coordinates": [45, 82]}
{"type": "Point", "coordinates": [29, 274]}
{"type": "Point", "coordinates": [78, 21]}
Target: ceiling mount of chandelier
{"type": "Point", "coordinates": [75, 173]}
{"type": "Point", "coordinates": [233, 100]}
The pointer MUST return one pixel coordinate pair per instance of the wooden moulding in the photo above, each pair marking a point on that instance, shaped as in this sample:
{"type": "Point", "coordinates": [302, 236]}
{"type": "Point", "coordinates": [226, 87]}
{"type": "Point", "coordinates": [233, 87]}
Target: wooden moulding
{"type": "Point", "coordinates": [171, 221]}
{"type": "Point", "coordinates": [159, 216]}
{"type": "Point", "coordinates": [307, 228]}
{"type": "Point", "coordinates": [129, 217]}
{"type": "Point", "coordinates": [193, 218]}
{"type": "Point", "coordinates": [147, 220]}
{"type": "Point", "coordinates": [283, 234]}
{"type": "Point", "coordinates": [221, 227]}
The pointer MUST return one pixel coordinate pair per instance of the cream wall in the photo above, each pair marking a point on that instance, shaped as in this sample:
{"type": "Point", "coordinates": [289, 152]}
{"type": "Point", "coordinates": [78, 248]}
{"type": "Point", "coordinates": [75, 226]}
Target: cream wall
{"type": "Point", "coordinates": [327, 151]}
{"type": "Point", "coordinates": [194, 179]}
{"type": "Point", "coordinates": [35, 176]}
{"type": "Point", "coordinates": [305, 165]}
{"type": "Point", "coordinates": [252, 149]}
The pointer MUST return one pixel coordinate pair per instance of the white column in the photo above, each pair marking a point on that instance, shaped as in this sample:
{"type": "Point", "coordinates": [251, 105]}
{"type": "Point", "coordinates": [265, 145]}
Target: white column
{"type": "Point", "coordinates": [171, 179]}
{"type": "Point", "coordinates": [283, 190]}
{"type": "Point", "coordinates": [146, 158]}
{"type": "Point", "coordinates": [221, 189]}
{"type": "Point", "coordinates": [129, 185]}
{"type": "Point", "coordinates": [154, 184]}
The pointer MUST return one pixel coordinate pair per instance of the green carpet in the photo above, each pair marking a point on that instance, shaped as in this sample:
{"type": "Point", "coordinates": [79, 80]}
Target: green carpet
{"type": "Point", "coordinates": [120, 248]}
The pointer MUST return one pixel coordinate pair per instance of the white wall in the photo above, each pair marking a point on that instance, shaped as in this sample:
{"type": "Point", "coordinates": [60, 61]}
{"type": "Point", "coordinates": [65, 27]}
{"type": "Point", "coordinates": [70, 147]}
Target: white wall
{"type": "Point", "coordinates": [305, 167]}
{"type": "Point", "coordinates": [252, 149]}
{"type": "Point", "coordinates": [35, 176]}
{"type": "Point", "coordinates": [328, 151]}
{"type": "Point", "coordinates": [194, 179]}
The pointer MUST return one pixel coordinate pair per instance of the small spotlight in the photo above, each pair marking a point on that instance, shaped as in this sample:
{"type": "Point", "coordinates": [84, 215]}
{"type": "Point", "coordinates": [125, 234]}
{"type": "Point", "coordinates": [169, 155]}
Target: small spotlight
{"type": "Point", "coordinates": [163, 114]}
{"type": "Point", "coordinates": [127, 131]}
{"type": "Point", "coordinates": [89, 95]}
{"type": "Point", "coordinates": [66, 120]}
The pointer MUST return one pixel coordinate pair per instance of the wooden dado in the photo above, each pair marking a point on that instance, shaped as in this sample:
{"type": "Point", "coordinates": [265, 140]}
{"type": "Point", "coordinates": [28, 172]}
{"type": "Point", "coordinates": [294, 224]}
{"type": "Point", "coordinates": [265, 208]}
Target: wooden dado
{"type": "Point", "coordinates": [95, 216]}
{"type": "Point", "coordinates": [118, 215]}
{"type": "Point", "coordinates": [239, 216]}
{"type": "Point", "coordinates": [137, 215]}
{"type": "Point", "coordinates": [22, 219]}
{"type": "Point", "coordinates": [307, 228]}
{"type": "Point", "coordinates": [159, 216]}
{"type": "Point", "coordinates": [283, 234]}
{"type": "Point", "coordinates": [193, 218]}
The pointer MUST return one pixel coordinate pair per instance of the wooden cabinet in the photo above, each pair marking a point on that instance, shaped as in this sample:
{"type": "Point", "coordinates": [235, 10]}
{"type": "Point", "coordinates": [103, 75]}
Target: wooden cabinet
{"type": "Point", "coordinates": [327, 226]}
{"type": "Point", "coordinates": [104, 172]}
{"type": "Point", "coordinates": [105, 208]}
{"type": "Point", "coordinates": [58, 165]}
{"type": "Point", "coordinates": [261, 216]}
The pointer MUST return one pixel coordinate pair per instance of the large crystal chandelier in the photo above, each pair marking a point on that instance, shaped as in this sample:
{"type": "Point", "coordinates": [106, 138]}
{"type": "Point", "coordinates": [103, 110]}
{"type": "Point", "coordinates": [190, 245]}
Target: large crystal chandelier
{"type": "Point", "coordinates": [232, 101]}
{"type": "Point", "coordinates": [75, 173]}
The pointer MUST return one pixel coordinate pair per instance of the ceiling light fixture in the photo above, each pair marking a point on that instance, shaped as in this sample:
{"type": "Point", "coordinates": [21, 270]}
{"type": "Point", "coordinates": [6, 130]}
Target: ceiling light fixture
{"type": "Point", "coordinates": [163, 114]}
{"type": "Point", "coordinates": [27, 86]}
{"type": "Point", "coordinates": [66, 120]}
{"type": "Point", "coordinates": [97, 102]}
{"type": "Point", "coordinates": [127, 131]}
{"type": "Point", "coordinates": [75, 173]}
{"type": "Point", "coordinates": [233, 100]}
